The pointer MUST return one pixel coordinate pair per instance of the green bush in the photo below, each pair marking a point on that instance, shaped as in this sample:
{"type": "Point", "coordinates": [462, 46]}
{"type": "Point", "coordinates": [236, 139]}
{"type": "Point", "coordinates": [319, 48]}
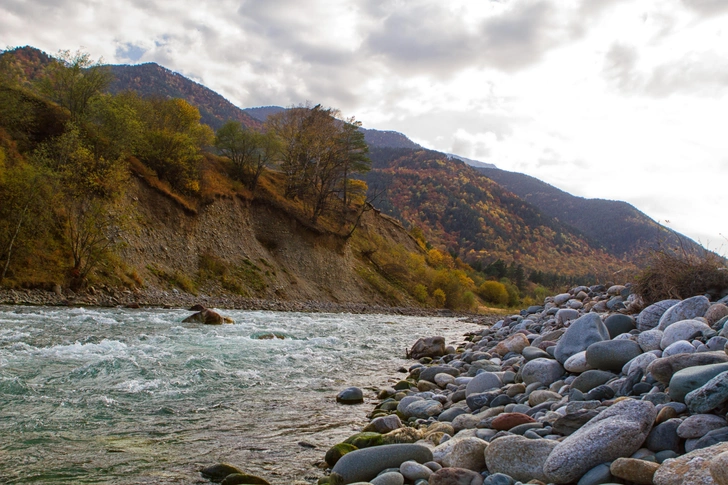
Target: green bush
{"type": "Point", "coordinates": [494, 292]}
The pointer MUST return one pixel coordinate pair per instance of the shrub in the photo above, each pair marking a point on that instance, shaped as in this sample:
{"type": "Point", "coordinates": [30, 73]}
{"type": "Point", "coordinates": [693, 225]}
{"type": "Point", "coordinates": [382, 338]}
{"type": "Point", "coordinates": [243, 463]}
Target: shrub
{"type": "Point", "coordinates": [419, 292]}
{"type": "Point", "coordinates": [679, 274]}
{"type": "Point", "coordinates": [439, 297]}
{"type": "Point", "coordinates": [494, 292]}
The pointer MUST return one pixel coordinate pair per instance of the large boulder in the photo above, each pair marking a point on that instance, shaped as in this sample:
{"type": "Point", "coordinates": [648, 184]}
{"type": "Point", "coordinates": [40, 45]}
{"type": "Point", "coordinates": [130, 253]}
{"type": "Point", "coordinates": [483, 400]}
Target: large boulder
{"type": "Point", "coordinates": [519, 457]}
{"type": "Point", "coordinates": [363, 465]}
{"type": "Point", "coordinates": [685, 310]}
{"type": "Point", "coordinates": [616, 432]}
{"type": "Point", "coordinates": [207, 317]}
{"type": "Point", "coordinates": [427, 347]}
{"type": "Point", "coordinates": [684, 330]}
{"type": "Point", "coordinates": [649, 318]}
{"type": "Point", "coordinates": [582, 332]}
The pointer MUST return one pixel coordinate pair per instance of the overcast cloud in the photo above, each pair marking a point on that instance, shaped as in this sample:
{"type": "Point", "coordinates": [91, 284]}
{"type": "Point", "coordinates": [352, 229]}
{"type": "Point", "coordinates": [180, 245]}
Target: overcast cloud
{"type": "Point", "coordinates": [602, 98]}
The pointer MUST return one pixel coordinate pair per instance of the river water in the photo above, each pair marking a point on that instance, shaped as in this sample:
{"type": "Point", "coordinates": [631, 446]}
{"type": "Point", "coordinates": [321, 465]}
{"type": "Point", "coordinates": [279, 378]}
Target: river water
{"type": "Point", "coordinates": [124, 396]}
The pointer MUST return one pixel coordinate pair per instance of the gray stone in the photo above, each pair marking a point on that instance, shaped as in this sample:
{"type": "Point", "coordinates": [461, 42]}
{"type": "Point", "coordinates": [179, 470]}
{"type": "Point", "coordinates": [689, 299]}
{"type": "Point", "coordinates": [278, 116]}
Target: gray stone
{"type": "Point", "coordinates": [519, 457]}
{"type": "Point", "coordinates": [679, 347]}
{"type": "Point", "coordinates": [649, 318]}
{"type": "Point", "coordinates": [483, 382]}
{"type": "Point", "coordinates": [561, 298]}
{"type": "Point", "coordinates": [590, 379]}
{"type": "Point", "coordinates": [639, 363]}
{"type": "Point", "coordinates": [716, 343]}
{"type": "Point", "coordinates": [423, 409]}
{"type": "Point", "coordinates": [577, 363]}
{"type": "Point", "coordinates": [711, 438]}
{"type": "Point", "coordinates": [582, 332]}
{"type": "Point", "coordinates": [566, 315]}
{"type": "Point", "coordinates": [429, 373]}
{"type": "Point", "coordinates": [650, 340]}
{"type": "Point", "coordinates": [664, 436]}
{"type": "Point", "coordinates": [466, 452]}
{"type": "Point", "coordinates": [596, 476]}
{"type": "Point", "coordinates": [663, 369]}
{"type": "Point", "coordinates": [545, 371]}
{"type": "Point", "coordinates": [616, 432]}
{"type": "Point", "coordinates": [685, 310]}
{"type": "Point", "coordinates": [708, 396]}
{"type": "Point", "coordinates": [684, 330]}
{"type": "Point", "coordinates": [427, 347]}
{"type": "Point", "coordinates": [389, 478]}
{"type": "Point", "coordinates": [715, 313]}
{"type": "Point", "coordinates": [531, 353]}
{"type": "Point", "coordinates": [365, 464]}
{"type": "Point", "coordinates": [618, 324]}
{"type": "Point", "coordinates": [384, 424]}
{"type": "Point", "coordinates": [687, 380]}
{"type": "Point", "coordinates": [449, 414]}
{"type": "Point", "coordinates": [611, 354]}
{"type": "Point", "coordinates": [698, 425]}
{"type": "Point", "coordinates": [412, 470]}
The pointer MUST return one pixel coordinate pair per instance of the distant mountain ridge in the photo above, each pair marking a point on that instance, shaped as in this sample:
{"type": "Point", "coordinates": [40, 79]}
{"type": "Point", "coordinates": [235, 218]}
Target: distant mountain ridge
{"type": "Point", "coordinates": [616, 226]}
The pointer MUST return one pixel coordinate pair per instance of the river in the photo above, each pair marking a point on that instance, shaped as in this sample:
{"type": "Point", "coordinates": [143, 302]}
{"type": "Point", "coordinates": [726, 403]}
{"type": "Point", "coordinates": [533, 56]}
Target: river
{"type": "Point", "coordinates": [135, 396]}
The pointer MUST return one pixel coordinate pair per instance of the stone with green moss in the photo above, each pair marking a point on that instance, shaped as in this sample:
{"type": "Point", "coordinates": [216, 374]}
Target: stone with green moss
{"type": "Point", "coordinates": [402, 385]}
{"type": "Point", "coordinates": [217, 473]}
{"type": "Point", "coordinates": [365, 440]}
{"type": "Point", "coordinates": [244, 479]}
{"type": "Point", "coordinates": [337, 451]}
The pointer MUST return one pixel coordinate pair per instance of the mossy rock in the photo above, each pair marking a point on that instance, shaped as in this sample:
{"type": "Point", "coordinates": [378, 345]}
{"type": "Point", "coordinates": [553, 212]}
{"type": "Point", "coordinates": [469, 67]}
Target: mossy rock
{"type": "Point", "coordinates": [389, 405]}
{"type": "Point", "coordinates": [365, 440]}
{"type": "Point", "coordinates": [403, 385]}
{"type": "Point", "coordinates": [243, 479]}
{"type": "Point", "coordinates": [377, 413]}
{"type": "Point", "coordinates": [217, 473]}
{"type": "Point", "coordinates": [323, 481]}
{"type": "Point", "coordinates": [337, 451]}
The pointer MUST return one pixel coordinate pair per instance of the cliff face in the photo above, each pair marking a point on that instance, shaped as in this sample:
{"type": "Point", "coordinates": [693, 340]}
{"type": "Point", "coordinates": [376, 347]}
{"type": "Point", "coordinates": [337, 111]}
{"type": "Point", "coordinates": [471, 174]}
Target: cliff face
{"type": "Point", "coordinates": [250, 248]}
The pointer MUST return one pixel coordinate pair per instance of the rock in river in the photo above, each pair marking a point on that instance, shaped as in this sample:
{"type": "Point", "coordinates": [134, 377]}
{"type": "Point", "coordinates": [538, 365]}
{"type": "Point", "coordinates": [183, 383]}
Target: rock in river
{"type": "Point", "coordinates": [363, 465]}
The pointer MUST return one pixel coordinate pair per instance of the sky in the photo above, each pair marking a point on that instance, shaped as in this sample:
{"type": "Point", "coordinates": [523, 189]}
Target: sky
{"type": "Point", "coordinates": [613, 99]}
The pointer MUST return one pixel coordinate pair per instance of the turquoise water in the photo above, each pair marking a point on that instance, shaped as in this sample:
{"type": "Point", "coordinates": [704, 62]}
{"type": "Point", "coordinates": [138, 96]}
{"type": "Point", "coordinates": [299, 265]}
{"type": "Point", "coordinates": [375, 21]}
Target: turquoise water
{"type": "Point", "coordinates": [135, 396]}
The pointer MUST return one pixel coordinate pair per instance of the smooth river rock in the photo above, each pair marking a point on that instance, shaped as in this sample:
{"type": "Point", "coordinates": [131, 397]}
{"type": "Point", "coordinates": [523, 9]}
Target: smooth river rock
{"type": "Point", "coordinates": [684, 310]}
{"type": "Point", "coordinates": [616, 432]}
{"type": "Point", "coordinates": [688, 380]}
{"type": "Point", "coordinates": [664, 368]}
{"type": "Point", "coordinates": [690, 469]}
{"type": "Point", "coordinates": [708, 396]}
{"type": "Point", "coordinates": [545, 371]}
{"type": "Point", "coordinates": [611, 354]}
{"type": "Point", "coordinates": [363, 465]}
{"type": "Point", "coordinates": [519, 457]}
{"type": "Point", "coordinates": [485, 381]}
{"type": "Point", "coordinates": [582, 332]}
{"type": "Point", "coordinates": [684, 330]}
{"type": "Point", "coordinates": [649, 318]}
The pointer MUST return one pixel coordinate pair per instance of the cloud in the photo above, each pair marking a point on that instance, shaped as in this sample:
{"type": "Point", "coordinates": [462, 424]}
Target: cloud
{"type": "Point", "coordinates": [707, 7]}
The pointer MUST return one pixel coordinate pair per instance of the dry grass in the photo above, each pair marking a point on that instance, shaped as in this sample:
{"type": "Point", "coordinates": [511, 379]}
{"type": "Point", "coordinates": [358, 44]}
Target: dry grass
{"type": "Point", "coordinates": [679, 274]}
{"type": "Point", "coordinates": [150, 177]}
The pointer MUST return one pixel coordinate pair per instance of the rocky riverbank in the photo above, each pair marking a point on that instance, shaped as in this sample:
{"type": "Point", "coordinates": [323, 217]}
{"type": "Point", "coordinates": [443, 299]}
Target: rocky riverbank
{"type": "Point", "coordinates": [590, 389]}
{"type": "Point", "coordinates": [154, 297]}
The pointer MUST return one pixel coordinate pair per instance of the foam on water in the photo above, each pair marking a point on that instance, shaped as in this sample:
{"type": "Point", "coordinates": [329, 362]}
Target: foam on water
{"type": "Point", "coordinates": [136, 396]}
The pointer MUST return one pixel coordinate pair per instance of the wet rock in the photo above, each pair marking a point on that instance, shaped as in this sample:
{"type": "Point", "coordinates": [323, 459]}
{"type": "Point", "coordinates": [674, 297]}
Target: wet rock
{"type": "Point", "coordinates": [350, 395]}
{"type": "Point", "coordinates": [217, 473]}
{"type": "Point", "coordinates": [337, 451]}
{"type": "Point", "coordinates": [244, 479]}
{"type": "Point", "coordinates": [519, 457]}
{"type": "Point", "coordinates": [582, 332]}
{"type": "Point", "coordinates": [616, 432]}
{"type": "Point", "coordinates": [427, 347]}
{"type": "Point", "coordinates": [429, 373]}
{"type": "Point", "coordinates": [206, 317]}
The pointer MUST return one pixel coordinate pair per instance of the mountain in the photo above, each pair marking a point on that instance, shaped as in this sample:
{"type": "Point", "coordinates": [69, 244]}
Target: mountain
{"type": "Point", "coordinates": [457, 207]}
{"type": "Point", "coordinates": [471, 162]}
{"type": "Point", "coordinates": [151, 79]}
{"type": "Point", "coordinates": [616, 226]}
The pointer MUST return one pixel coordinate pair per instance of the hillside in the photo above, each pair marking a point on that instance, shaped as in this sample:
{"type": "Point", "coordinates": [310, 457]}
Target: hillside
{"type": "Point", "coordinates": [458, 208]}
{"type": "Point", "coordinates": [616, 226]}
{"type": "Point", "coordinates": [154, 80]}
